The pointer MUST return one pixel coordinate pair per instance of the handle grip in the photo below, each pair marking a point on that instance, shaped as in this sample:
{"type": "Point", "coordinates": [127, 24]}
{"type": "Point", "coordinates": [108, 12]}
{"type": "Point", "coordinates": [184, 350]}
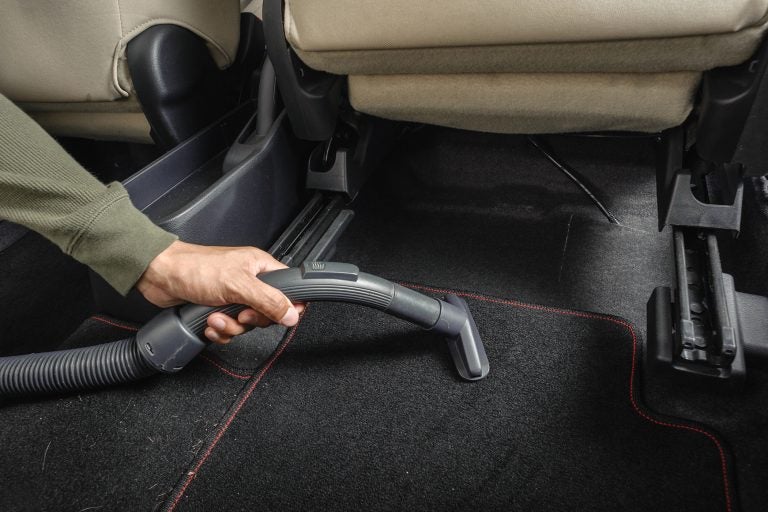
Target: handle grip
{"type": "Point", "coordinates": [337, 282]}
{"type": "Point", "coordinates": [176, 336]}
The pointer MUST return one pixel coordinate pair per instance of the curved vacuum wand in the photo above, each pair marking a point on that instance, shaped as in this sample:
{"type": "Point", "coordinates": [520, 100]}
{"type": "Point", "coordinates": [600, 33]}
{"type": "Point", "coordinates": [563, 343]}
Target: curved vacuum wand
{"type": "Point", "coordinates": [176, 336]}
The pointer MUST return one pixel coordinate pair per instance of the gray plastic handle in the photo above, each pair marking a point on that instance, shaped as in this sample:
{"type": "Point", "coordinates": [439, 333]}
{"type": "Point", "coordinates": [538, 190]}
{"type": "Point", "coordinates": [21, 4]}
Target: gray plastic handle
{"type": "Point", "coordinates": [342, 282]}
{"type": "Point", "coordinates": [176, 336]}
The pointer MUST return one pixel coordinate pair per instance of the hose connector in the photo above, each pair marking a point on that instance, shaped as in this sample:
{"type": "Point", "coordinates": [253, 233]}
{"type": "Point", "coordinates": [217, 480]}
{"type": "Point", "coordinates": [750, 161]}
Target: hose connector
{"type": "Point", "coordinates": [167, 344]}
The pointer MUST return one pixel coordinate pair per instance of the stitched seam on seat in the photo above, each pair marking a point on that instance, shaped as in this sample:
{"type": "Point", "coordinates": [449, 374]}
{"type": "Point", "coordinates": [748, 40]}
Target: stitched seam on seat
{"type": "Point", "coordinates": [120, 17]}
{"type": "Point", "coordinates": [157, 21]}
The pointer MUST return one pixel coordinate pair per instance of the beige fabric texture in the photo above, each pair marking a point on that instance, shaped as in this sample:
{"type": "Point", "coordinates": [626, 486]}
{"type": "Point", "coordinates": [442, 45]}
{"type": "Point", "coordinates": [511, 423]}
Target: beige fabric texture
{"type": "Point", "coordinates": [101, 120]}
{"type": "Point", "coordinates": [120, 126]}
{"type": "Point", "coordinates": [252, 7]}
{"type": "Point", "coordinates": [130, 105]}
{"type": "Point", "coordinates": [530, 66]}
{"type": "Point", "coordinates": [327, 25]}
{"type": "Point", "coordinates": [73, 51]}
{"type": "Point", "coordinates": [692, 53]}
{"type": "Point", "coordinates": [530, 103]}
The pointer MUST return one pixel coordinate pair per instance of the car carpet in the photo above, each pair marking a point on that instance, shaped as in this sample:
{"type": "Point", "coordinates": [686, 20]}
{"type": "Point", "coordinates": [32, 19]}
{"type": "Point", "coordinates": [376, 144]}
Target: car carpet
{"type": "Point", "coordinates": [121, 448]}
{"type": "Point", "coordinates": [460, 209]}
{"type": "Point", "coordinates": [364, 411]}
{"type": "Point", "coordinates": [10, 233]}
{"type": "Point", "coordinates": [738, 414]}
{"type": "Point", "coordinates": [453, 208]}
{"type": "Point", "coordinates": [45, 295]}
{"type": "Point", "coordinates": [497, 216]}
{"type": "Point", "coordinates": [85, 483]}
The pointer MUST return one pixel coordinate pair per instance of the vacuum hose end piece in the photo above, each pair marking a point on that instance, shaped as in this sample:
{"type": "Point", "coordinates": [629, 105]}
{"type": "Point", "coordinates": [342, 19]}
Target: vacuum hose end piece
{"type": "Point", "coordinates": [450, 317]}
{"type": "Point", "coordinates": [467, 349]}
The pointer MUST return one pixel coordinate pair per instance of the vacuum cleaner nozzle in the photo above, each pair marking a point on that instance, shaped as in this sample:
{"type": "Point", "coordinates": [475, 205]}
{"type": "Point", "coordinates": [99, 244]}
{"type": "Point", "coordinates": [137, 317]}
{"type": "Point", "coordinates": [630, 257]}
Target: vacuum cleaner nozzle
{"type": "Point", "coordinates": [467, 349]}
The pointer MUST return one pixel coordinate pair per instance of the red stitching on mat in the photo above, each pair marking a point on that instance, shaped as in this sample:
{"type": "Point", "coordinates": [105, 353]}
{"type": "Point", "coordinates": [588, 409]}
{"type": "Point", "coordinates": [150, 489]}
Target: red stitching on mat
{"type": "Point", "coordinates": [635, 406]}
{"type": "Point", "coordinates": [224, 369]}
{"type": "Point", "coordinates": [192, 474]}
{"type": "Point", "coordinates": [114, 324]}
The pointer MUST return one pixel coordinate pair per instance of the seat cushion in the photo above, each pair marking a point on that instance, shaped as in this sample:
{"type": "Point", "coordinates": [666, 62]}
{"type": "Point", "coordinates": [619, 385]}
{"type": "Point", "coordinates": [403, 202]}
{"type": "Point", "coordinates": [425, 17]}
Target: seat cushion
{"type": "Point", "coordinates": [121, 120]}
{"type": "Point", "coordinates": [380, 24]}
{"type": "Point", "coordinates": [530, 103]}
{"type": "Point", "coordinates": [526, 35]}
{"type": "Point", "coordinates": [526, 66]}
{"type": "Point", "coordinates": [370, 25]}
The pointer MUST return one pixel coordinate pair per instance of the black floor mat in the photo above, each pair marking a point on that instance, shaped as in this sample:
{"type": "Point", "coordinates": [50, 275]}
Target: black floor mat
{"type": "Point", "coordinates": [118, 449]}
{"type": "Point", "coordinates": [362, 411]}
{"type": "Point", "coordinates": [454, 209]}
{"type": "Point", "coordinates": [740, 416]}
{"type": "Point", "coordinates": [10, 233]}
{"type": "Point", "coordinates": [44, 296]}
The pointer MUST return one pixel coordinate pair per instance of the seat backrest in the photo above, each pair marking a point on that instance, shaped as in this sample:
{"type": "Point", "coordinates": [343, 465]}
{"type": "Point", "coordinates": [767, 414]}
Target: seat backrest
{"type": "Point", "coordinates": [64, 62]}
{"type": "Point", "coordinates": [74, 51]}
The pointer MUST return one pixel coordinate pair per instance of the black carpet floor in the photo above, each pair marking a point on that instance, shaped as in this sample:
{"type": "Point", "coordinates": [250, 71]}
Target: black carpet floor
{"type": "Point", "coordinates": [362, 411]}
{"type": "Point", "coordinates": [117, 449]}
{"type": "Point", "coordinates": [489, 212]}
{"type": "Point", "coordinates": [10, 233]}
{"type": "Point", "coordinates": [739, 415]}
{"type": "Point", "coordinates": [44, 296]}
{"type": "Point", "coordinates": [355, 410]}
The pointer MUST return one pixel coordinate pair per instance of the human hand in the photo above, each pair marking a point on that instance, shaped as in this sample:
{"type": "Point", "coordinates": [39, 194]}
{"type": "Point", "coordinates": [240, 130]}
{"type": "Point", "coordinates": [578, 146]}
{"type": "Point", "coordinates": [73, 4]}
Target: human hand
{"type": "Point", "coordinates": [216, 276]}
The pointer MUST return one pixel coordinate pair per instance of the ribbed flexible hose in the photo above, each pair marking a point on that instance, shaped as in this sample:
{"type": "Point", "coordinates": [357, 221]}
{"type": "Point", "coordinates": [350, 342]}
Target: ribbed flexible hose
{"type": "Point", "coordinates": [71, 370]}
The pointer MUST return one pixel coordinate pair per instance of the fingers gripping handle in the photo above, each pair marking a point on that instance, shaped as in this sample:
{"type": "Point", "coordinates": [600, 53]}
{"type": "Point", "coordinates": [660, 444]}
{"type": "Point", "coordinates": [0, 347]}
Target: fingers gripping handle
{"type": "Point", "coordinates": [337, 282]}
{"type": "Point", "coordinates": [341, 282]}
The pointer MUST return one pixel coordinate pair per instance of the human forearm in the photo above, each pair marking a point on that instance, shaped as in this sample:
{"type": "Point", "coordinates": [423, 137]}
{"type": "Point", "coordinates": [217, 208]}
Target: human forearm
{"type": "Point", "coordinates": [43, 188]}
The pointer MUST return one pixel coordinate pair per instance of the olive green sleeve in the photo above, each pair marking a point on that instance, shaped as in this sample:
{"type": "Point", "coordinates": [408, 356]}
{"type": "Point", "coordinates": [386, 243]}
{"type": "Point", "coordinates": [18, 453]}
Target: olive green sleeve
{"type": "Point", "coordinates": [46, 190]}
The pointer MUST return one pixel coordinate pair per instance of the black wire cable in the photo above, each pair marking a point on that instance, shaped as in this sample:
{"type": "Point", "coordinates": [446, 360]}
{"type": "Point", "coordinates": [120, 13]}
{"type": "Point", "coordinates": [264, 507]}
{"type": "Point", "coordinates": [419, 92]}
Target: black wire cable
{"type": "Point", "coordinates": [574, 176]}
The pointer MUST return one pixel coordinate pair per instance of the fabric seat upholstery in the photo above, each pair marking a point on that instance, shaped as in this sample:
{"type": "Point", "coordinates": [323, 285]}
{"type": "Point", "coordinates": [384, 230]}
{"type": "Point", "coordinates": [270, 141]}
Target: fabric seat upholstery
{"type": "Point", "coordinates": [64, 62]}
{"type": "Point", "coordinates": [632, 64]}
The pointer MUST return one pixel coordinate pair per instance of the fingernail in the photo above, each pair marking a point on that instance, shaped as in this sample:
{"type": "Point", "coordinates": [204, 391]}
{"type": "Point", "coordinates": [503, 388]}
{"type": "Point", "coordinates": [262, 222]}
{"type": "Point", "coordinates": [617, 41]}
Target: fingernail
{"type": "Point", "coordinates": [218, 323]}
{"type": "Point", "coordinates": [291, 317]}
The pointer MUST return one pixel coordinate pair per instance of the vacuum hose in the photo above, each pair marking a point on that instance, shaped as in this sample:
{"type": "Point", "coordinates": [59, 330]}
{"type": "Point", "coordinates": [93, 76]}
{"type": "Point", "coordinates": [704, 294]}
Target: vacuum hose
{"type": "Point", "coordinates": [176, 336]}
{"type": "Point", "coordinates": [69, 370]}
